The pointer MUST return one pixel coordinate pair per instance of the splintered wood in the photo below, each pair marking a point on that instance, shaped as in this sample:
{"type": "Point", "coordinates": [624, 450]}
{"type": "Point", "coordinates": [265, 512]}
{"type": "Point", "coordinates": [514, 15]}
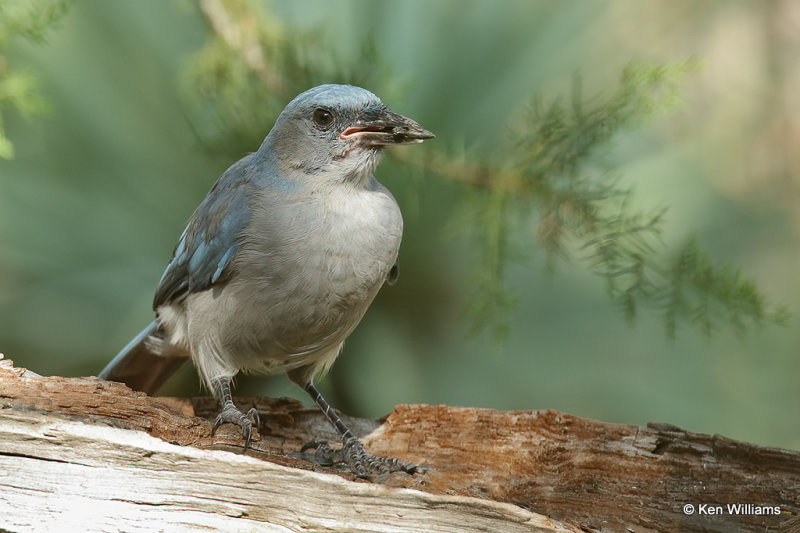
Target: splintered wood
{"type": "Point", "coordinates": [88, 455]}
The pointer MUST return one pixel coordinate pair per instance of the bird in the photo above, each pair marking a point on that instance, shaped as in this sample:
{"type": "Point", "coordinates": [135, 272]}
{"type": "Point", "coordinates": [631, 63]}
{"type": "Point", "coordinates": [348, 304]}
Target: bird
{"type": "Point", "coordinates": [280, 261]}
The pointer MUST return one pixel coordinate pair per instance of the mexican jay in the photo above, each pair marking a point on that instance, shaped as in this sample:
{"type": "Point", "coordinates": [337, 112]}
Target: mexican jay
{"type": "Point", "coordinates": [280, 261]}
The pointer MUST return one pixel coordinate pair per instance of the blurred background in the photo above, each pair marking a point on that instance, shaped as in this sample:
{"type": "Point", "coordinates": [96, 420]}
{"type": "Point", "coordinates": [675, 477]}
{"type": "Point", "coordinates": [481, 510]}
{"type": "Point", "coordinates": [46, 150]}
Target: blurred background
{"type": "Point", "coordinates": [99, 190]}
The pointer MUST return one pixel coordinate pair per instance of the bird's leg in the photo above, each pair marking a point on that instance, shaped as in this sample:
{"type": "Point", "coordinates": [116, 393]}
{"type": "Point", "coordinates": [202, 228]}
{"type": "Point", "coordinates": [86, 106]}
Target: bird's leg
{"type": "Point", "coordinates": [230, 413]}
{"type": "Point", "coordinates": [361, 462]}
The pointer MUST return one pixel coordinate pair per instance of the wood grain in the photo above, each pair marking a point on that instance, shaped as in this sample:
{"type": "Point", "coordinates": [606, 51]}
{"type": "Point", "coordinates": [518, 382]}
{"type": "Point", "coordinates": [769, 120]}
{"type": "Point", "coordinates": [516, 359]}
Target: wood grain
{"type": "Point", "coordinates": [96, 455]}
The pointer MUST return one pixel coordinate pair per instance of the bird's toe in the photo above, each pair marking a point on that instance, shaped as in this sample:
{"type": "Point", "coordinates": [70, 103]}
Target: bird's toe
{"type": "Point", "coordinates": [230, 414]}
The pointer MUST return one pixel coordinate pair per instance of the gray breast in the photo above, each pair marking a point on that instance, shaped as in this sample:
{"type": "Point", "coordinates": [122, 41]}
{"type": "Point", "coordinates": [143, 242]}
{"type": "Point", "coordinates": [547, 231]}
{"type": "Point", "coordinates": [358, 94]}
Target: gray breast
{"type": "Point", "coordinates": [309, 268]}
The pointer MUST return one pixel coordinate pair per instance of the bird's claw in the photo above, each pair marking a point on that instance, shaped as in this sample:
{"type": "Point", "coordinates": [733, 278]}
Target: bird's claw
{"type": "Point", "coordinates": [353, 454]}
{"type": "Point", "coordinates": [233, 415]}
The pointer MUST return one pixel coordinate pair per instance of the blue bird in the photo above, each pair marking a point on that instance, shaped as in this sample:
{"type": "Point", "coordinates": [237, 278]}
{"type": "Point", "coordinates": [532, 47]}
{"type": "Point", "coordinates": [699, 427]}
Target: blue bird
{"type": "Point", "coordinates": [280, 261]}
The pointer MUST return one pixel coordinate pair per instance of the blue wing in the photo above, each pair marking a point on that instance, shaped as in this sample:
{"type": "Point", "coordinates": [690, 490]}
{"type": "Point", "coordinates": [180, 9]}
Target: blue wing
{"type": "Point", "coordinates": [204, 252]}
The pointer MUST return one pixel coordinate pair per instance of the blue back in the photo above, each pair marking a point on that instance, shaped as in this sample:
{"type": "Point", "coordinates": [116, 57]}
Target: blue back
{"type": "Point", "coordinates": [203, 254]}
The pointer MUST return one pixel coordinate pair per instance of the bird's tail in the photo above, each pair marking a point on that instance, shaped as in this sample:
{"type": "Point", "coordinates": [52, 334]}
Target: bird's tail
{"type": "Point", "coordinates": [143, 365]}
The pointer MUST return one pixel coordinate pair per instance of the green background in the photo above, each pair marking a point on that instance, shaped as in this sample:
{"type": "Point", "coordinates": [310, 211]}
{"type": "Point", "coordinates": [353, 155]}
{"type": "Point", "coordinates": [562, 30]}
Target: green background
{"type": "Point", "coordinates": [99, 191]}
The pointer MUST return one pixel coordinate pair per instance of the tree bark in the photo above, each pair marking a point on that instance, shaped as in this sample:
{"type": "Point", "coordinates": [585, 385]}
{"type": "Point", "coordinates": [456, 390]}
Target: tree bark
{"type": "Point", "coordinates": [89, 455]}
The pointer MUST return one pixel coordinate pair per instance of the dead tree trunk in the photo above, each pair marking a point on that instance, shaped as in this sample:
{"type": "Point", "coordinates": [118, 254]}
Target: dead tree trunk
{"type": "Point", "coordinates": [87, 455]}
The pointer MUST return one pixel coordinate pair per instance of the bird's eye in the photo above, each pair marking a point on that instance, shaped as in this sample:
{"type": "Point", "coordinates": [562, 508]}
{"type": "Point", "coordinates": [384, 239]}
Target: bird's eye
{"type": "Point", "coordinates": [323, 117]}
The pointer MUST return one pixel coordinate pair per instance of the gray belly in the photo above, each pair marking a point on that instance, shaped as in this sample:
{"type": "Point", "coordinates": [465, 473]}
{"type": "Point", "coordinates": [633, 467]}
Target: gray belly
{"type": "Point", "coordinates": [309, 308]}
{"type": "Point", "coordinates": [298, 298]}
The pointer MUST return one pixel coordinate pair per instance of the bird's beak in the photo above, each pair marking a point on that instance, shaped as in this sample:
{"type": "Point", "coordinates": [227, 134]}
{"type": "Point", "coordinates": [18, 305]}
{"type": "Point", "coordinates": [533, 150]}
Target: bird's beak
{"type": "Point", "coordinates": [386, 128]}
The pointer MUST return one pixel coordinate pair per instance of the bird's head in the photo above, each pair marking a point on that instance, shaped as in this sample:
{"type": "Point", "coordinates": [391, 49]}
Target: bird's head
{"type": "Point", "coordinates": [337, 132]}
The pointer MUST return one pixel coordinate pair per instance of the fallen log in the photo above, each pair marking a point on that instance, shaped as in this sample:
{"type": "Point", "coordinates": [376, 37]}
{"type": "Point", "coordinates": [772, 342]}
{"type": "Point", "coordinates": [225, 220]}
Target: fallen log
{"type": "Point", "coordinates": [90, 455]}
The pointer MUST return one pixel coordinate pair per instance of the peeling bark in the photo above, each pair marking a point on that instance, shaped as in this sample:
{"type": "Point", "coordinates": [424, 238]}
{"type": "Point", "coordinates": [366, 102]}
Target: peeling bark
{"type": "Point", "coordinates": [73, 454]}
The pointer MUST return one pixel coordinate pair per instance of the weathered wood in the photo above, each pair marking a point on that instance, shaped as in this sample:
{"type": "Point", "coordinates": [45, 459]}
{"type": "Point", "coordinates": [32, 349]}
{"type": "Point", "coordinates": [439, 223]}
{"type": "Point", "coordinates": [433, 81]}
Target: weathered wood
{"type": "Point", "coordinates": [73, 448]}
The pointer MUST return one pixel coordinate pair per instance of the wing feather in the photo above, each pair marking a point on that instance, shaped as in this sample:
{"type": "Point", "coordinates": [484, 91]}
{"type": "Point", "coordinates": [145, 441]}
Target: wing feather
{"type": "Point", "coordinates": [205, 250]}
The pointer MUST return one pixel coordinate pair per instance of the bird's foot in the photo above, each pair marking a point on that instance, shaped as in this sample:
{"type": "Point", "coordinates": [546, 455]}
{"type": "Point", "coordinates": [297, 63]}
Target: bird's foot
{"type": "Point", "coordinates": [353, 454]}
{"type": "Point", "coordinates": [233, 415]}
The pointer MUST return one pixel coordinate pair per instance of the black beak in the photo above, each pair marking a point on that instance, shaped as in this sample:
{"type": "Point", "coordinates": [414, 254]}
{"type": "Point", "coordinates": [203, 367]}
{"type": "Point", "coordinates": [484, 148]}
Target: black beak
{"type": "Point", "coordinates": [384, 128]}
